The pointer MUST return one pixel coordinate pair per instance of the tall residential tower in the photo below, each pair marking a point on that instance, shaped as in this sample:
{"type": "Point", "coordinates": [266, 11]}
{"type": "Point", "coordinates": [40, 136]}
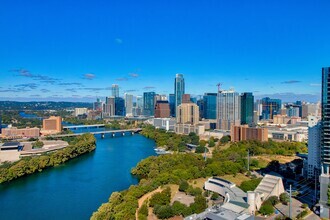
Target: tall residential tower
{"type": "Point", "coordinates": [179, 89]}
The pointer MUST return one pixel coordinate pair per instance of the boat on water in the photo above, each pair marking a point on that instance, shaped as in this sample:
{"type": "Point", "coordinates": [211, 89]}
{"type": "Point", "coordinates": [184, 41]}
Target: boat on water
{"type": "Point", "coordinates": [161, 151]}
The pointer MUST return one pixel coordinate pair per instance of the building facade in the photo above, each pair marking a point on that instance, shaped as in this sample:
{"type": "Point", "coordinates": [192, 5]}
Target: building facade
{"type": "Point", "coordinates": [314, 138]}
{"type": "Point", "coordinates": [162, 109]}
{"type": "Point", "coordinates": [245, 133]}
{"type": "Point", "coordinates": [228, 109]}
{"type": "Point", "coordinates": [128, 104]}
{"type": "Point", "coordinates": [149, 103]}
{"type": "Point", "coordinates": [119, 106]}
{"type": "Point", "coordinates": [14, 132]}
{"type": "Point", "coordinates": [110, 105]}
{"type": "Point", "coordinates": [171, 99]}
{"type": "Point", "coordinates": [210, 106]}
{"type": "Point", "coordinates": [270, 107]}
{"type": "Point", "coordinates": [179, 89]}
{"type": "Point", "coordinates": [115, 90]}
{"type": "Point", "coordinates": [247, 104]}
{"type": "Point", "coordinates": [53, 123]}
{"type": "Point", "coordinates": [187, 113]}
{"type": "Point", "coordinates": [80, 111]}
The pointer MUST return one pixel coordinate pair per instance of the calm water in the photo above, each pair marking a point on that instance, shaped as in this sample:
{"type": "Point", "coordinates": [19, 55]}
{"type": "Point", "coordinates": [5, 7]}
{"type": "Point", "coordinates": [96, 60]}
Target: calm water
{"type": "Point", "coordinates": [77, 188]}
{"type": "Point", "coordinates": [29, 116]}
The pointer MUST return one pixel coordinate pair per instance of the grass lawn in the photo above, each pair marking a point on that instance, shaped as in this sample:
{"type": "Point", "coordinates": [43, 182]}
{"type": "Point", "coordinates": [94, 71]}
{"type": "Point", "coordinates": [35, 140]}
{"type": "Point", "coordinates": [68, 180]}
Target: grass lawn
{"type": "Point", "coordinates": [265, 159]}
{"type": "Point", "coordinates": [238, 179]}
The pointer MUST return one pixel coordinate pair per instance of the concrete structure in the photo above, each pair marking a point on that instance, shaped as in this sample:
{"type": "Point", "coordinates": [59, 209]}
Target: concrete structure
{"type": "Point", "coordinates": [188, 128]}
{"type": "Point", "coordinates": [13, 132]}
{"type": "Point", "coordinates": [128, 104]}
{"type": "Point", "coordinates": [247, 102]}
{"type": "Point", "coordinates": [187, 113]}
{"type": "Point", "coordinates": [80, 111]}
{"type": "Point", "coordinates": [10, 151]}
{"type": "Point", "coordinates": [239, 202]}
{"type": "Point", "coordinates": [171, 99]}
{"type": "Point", "coordinates": [98, 105]}
{"type": "Point", "coordinates": [228, 109]}
{"type": "Point", "coordinates": [310, 109]}
{"type": "Point", "coordinates": [52, 125]}
{"type": "Point", "coordinates": [162, 109]}
{"type": "Point", "coordinates": [245, 133]}
{"type": "Point", "coordinates": [314, 154]}
{"type": "Point", "coordinates": [179, 90]}
{"type": "Point", "coordinates": [296, 133]}
{"type": "Point", "coordinates": [114, 90]}
{"type": "Point", "coordinates": [284, 119]}
{"type": "Point", "coordinates": [149, 103]}
{"type": "Point", "coordinates": [164, 123]}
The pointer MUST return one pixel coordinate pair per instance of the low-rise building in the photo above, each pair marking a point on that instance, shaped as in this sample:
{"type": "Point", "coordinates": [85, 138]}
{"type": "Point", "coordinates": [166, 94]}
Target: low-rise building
{"type": "Point", "coordinates": [13, 132]}
{"type": "Point", "coordinates": [245, 133]}
{"type": "Point", "coordinates": [52, 125]}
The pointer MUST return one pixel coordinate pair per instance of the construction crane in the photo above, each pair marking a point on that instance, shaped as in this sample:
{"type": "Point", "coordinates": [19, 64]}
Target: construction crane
{"type": "Point", "coordinates": [219, 86]}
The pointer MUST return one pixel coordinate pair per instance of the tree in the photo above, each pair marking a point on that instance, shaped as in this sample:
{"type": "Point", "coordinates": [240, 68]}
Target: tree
{"type": "Point", "coordinates": [273, 200]}
{"type": "Point", "coordinates": [183, 186]}
{"type": "Point", "coordinates": [201, 149]}
{"type": "Point", "coordinates": [199, 205]}
{"type": "Point", "coordinates": [250, 185]}
{"type": "Point", "coordinates": [37, 144]}
{"type": "Point", "coordinates": [211, 143]}
{"type": "Point", "coordinates": [163, 212]}
{"type": "Point", "coordinates": [284, 198]}
{"type": "Point", "coordinates": [161, 198]}
{"type": "Point", "coordinates": [215, 196]}
{"type": "Point", "coordinates": [225, 139]}
{"type": "Point", "coordinates": [266, 209]}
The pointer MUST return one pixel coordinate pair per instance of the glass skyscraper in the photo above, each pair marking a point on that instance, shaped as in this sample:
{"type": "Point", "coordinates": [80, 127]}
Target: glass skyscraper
{"type": "Point", "coordinates": [115, 90]}
{"type": "Point", "coordinates": [179, 89]}
{"type": "Point", "coordinates": [149, 103]}
{"type": "Point", "coordinates": [119, 106]}
{"type": "Point", "coordinates": [171, 100]}
{"type": "Point", "coordinates": [247, 104]}
{"type": "Point", "coordinates": [210, 106]}
{"type": "Point", "coordinates": [325, 137]}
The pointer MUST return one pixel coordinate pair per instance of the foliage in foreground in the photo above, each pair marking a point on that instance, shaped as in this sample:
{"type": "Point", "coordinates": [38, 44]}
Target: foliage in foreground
{"type": "Point", "coordinates": [250, 185]}
{"type": "Point", "coordinates": [28, 165]}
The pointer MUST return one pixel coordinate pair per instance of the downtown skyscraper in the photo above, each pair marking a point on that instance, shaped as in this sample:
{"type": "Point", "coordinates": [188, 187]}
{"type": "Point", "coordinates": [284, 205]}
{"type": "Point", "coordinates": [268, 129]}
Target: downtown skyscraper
{"type": "Point", "coordinates": [247, 104]}
{"type": "Point", "coordinates": [179, 89]}
{"type": "Point", "coordinates": [115, 90]}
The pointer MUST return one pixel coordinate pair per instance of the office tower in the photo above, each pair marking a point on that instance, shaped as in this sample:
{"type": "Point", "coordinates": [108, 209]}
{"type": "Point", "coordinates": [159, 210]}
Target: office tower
{"type": "Point", "coordinates": [228, 109]}
{"type": "Point", "coordinates": [97, 106]}
{"type": "Point", "coordinates": [160, 97]}
{"type": "Point", "coordinates": [187, 113]}
{"type": "Point", "coordinates": [53, 123]}
{"type": "Point", "coordinates": [172, 104]}
{"type": "Point", "coordinates": [128, 104]}
{"type": "Point", "coordinates": [258, 108]}
{"type": "Point", "coordinates": [299, 105]}
{"type": "Point", "coordinates": [179, 89]}
{"type": "Point", "coordinates": [186, 98]}
{"type": "Point", "coordinates": [193, 99]}
{"type": "Point", "coordinates": [119, 106]}
{"type": "Point", "coordinates": [200, 104]}
{"type": "Point", "coordinates": [149, 103]}
{"type": "Point", "coordinates": [109, 107]}
{"type": "Point", "coordinates": [162, 109]}
{"type": "Point", "coordinates": [210, 106]}
{"type": "Point", "coordinates": [115, 90]}
{"type": "Point", "coordinates": [309, 109]}
{"type": "Point", "coordinates": [314, 138]}
{"type": "Point", "coordinates": [245, 133]}
{"type": "Point", "coordinates": [292, 111]}
{"type": "Point", "coordinates": [247, 102]}
{"type": "Point", "coordinates": [0, 123]}
{"type": "Point", "coordinates": [325, 143]}
{"type": "Point", "coordinates": [270, 107]}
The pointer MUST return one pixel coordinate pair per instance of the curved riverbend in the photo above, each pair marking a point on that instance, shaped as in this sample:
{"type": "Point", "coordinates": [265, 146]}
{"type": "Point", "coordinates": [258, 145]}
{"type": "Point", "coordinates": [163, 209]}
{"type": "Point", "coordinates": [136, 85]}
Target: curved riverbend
{"type": "Point", "coordinates": [77, 188]}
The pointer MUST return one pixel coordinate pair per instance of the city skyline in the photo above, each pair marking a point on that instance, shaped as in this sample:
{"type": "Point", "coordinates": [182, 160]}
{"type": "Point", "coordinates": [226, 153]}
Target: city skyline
{"type": "Point", "coordinates": [78, 56]}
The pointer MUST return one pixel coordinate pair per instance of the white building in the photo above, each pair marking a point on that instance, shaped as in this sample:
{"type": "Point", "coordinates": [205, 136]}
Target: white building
{"type": "Point", "coordinates": [314, 154]}
{"type": "Point", "coordinates": [80, 111]}
{"type": "Point", "coordinates": [109, 107]}
{"type": "Point", "coordinates": [228, 109]}
{"type": "Point", "coordinates": [128, 104]}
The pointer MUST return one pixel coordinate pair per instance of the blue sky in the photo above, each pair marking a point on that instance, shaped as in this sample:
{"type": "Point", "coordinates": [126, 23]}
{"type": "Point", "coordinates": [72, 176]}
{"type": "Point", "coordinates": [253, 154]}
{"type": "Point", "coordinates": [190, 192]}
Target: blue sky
{"type": "Point", "coordinates": [75, 50]}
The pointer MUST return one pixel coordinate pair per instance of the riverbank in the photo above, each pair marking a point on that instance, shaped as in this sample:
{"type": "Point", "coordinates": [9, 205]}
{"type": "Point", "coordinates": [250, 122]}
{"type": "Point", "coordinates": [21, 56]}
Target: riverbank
{"type": "Point", "coordinates": [29, 165]}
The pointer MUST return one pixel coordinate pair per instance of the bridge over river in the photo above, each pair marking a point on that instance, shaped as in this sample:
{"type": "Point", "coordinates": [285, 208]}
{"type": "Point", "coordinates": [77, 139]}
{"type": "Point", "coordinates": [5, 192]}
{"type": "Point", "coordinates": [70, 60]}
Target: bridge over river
{"type": "Point", "coordinates": [102, 133]}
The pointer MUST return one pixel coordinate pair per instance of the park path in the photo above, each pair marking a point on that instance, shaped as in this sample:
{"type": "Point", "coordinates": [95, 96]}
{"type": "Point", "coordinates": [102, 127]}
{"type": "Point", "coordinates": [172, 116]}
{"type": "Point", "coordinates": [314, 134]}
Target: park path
{"type": "Point", "coordinates": [144, 198]}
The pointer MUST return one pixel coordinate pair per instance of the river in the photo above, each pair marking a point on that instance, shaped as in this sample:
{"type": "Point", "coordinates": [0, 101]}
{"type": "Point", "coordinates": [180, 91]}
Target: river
{"type": "Point", "coordinates": [77, 188]}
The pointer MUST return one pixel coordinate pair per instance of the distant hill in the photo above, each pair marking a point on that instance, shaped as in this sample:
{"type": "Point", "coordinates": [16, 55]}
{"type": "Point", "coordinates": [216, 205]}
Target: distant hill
{"type": "Point", "coordinates": [12, 105]}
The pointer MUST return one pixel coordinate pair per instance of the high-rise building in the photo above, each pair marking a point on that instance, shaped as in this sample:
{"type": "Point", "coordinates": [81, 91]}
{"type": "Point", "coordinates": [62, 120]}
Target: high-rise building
{"type": "Point", "coordinates": [314, 138]}
{"type": "Point", "coordinates": [119, 106]}
{"type": "Point", "coordinates": [270, 107]}
{"type": "Point", "coordinates": [292, 111]}
{"type": "Point", "coordinates": [172, 104]}
{"type": "Point", "coordinates": [200, 104]}
{"type": "Point", "coordinates": [179, 89]}
{"type": "Point", "coordinates": [149, 103]}
{"type": "Point", "coordinates": [325, 143]}
{"type": "Point", "coordinates": [247, 102]}
{"type": "Point", "coordinates": [309, 109]}
{"type": "Point", "coordinates": [97, 106]}
{"type": "Point", "coordinates": [128, 104]}
{"type": "Point", "coordinates": [210, 106]}
{"type": "Point", "coordinates": [162, 109]}
{"type": "Point", "coordinates": [228, 109]}
{"type": "Point", "coordinates": [115, 90]}
{"type": "Point", "coordinates": [53, 123]}
{"type": "Point", "coordinates": [187, 113]}
{"type": "Point", "coordinates": [110, 105]}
